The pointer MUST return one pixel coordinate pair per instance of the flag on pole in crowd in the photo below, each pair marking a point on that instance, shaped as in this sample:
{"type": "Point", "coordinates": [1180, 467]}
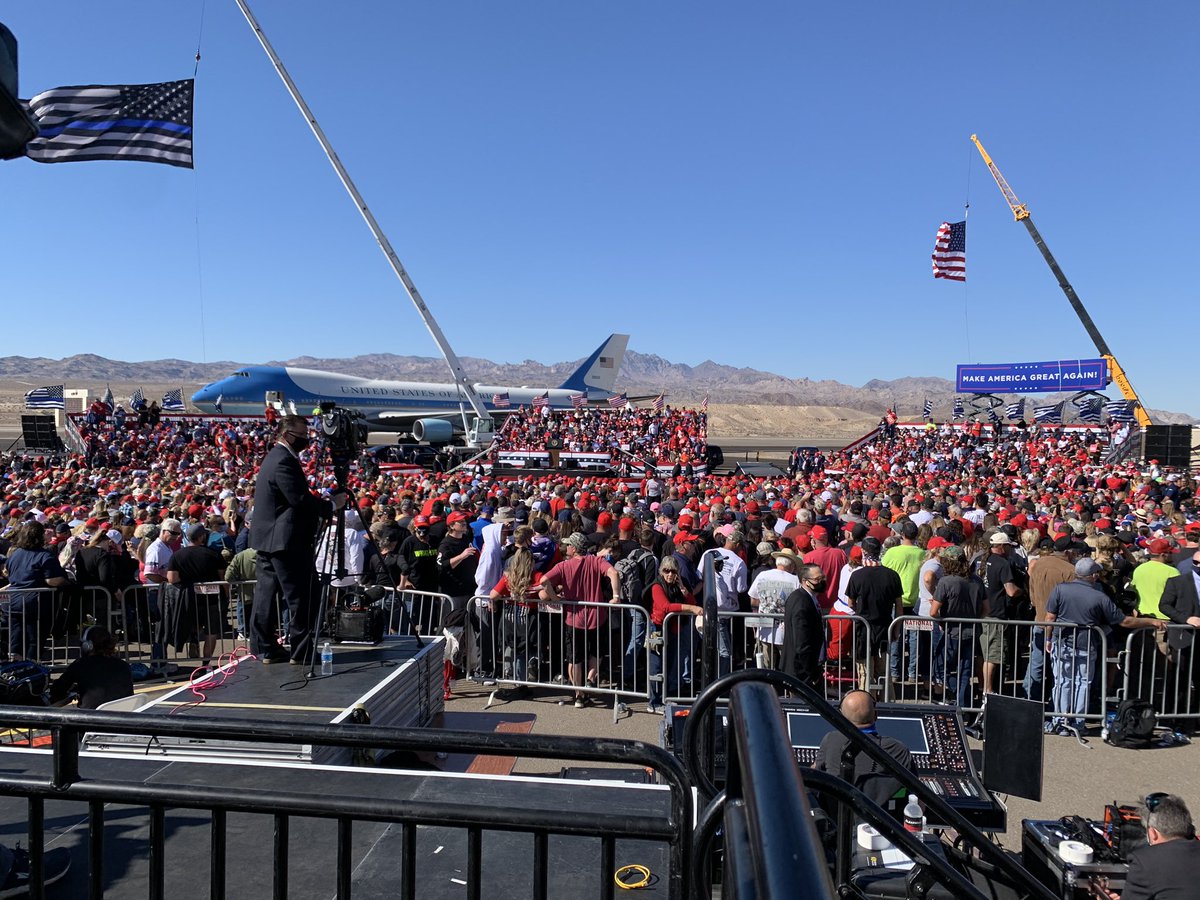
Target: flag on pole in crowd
{"type": "Point", "coordinates": [541, 400]}
{"type": "Point", "coordinates": [618, 400]}
{"type": "Point", "coordinates": [659, 403]}
{"type": "Point", "coordinates": [140, 122]}
{"type": "Point", "coordinates": [579, 401]}
{"type": "Point", "coordinates": [928, 410]}
{"type": "Point", "coordinates": [218, 405]}
{"type": "Point", "coordinates": [1050, 412]}
{"type": "Point", "coordinates": [45, 397]}
{"type": "Point", "coordinates": [1089, 410]}
{"type": "Point", "coordinates": [1119, 410]}
{"type": "Point", "coordinates": [992, 415]}
{"type": "Point", "coordinates": [1016, 409]}
{"type": "Point", "coordinates": [704, 404]}
{"type": "Point", "coordinates": [173, 401]}
{"type": "Point", "coordinates": [959, 412]}
{"type": "Point", "coordinates": [501, 400]}
{"type": "Point", "coordinates": [107, 399]}
{"type": "Point", "coordinates": [137, 399]}
{"type": "Point", "coordinates": [950, 251]}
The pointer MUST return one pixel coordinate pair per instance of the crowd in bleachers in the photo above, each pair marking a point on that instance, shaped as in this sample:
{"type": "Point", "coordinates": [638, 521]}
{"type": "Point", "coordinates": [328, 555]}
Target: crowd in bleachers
{"type": "Point", "coordinates": [658, 438]}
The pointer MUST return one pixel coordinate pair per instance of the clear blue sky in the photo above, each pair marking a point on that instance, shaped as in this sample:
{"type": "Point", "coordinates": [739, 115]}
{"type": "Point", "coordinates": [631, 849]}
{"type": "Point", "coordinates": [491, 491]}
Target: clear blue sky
{"type": "Point", "coordinates": [758, 184]}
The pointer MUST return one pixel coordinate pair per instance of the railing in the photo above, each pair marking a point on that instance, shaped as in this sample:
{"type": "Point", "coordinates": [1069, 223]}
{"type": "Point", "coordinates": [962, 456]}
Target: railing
{"type": "Point", "coordinates": [533, 644]}
{"type": "Point", "coordinates": [1131, 446]}
{"type": "Point", "coordinates": [69, 781]}
{"type": "Point", "coordinates": [754, 640]}
{"type": "Point", "coordinates": [942, 661]}
{"type": "Point", "coordinates": [698, 731]}
{"type": "Point", "coordinates": [1166, 676]}
{"type": "Point", "coordinates": [45, 624]}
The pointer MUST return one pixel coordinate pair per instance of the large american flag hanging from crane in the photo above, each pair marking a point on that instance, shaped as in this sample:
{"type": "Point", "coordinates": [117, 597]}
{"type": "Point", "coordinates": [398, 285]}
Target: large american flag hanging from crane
{"type": "Point", "coordinates": [950, 251]}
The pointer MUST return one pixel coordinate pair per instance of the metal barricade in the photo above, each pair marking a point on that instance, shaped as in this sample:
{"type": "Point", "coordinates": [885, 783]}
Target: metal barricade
{"type": "Point", "coordinates": [1162, 668]}
{"type": "Point", "coordinates": [45, 624]}
{"type": "Point", "coordinates": [1062, 665]}
{"type": "Point", "coordinates": [425, 611]}
{"type": "Point", "coordinates": [756, 642]}
{"type": "Point", "coordinates": [593, 649]}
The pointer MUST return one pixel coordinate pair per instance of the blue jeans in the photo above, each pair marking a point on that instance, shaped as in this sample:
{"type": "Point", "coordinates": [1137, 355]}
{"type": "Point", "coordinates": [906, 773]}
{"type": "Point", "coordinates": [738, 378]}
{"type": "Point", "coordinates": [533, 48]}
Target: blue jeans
{"type": "Point", "coordinates": [1035, 673]}
{"type": "Point", "coordinates": [724, 647]}
{"type": "Point", "coordinates": [1073, 663]}
{"type": "Point", "coordinates": [910, 642]}
{"type": "Point", "coordinates": [635, 647]}
{"type": "Point", "coordinates": [960, 665]}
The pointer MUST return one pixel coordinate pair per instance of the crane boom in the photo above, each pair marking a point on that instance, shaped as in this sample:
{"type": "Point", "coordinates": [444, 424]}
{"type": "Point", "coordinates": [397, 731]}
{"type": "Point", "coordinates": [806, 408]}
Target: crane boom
{"type": "Point", "coordinates": [1021, 214]}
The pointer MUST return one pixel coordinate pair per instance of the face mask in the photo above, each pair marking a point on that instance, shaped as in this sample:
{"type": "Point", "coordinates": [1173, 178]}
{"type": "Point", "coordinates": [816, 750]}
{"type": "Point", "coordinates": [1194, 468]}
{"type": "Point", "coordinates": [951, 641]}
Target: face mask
{"type": "Point", "coordinates": [422, 532]}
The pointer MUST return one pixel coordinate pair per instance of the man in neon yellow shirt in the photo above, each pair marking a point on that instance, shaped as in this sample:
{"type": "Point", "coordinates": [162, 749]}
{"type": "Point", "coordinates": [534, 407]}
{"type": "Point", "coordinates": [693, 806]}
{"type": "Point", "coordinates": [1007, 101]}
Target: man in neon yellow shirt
{"type": "Point", "coordinates": [905, 560]}
{"type": "Point", "coordinates": [1151, 577]}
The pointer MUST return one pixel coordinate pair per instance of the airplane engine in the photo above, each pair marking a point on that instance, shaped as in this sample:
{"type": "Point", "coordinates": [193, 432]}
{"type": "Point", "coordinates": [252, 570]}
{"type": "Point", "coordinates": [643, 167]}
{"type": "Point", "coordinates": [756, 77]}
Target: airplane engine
{"type": "Point", "coordinates": [436, 431]}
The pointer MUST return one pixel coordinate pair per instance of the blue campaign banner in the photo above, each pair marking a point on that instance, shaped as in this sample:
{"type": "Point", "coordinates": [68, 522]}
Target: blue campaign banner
{"type": "Point", "coordinates": [1033, 378]}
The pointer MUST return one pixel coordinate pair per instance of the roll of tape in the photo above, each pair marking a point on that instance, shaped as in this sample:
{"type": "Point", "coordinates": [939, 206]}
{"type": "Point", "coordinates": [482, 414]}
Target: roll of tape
{"type": "Point", "coordinates": [1076, 853]}
{"type": "Point", "coordinates": [870, 839]}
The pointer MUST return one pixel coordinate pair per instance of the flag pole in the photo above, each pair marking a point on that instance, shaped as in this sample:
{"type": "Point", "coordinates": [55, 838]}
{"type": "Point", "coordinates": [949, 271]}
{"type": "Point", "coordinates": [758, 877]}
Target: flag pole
{"type": "Point", "coordinates": [466, 390]}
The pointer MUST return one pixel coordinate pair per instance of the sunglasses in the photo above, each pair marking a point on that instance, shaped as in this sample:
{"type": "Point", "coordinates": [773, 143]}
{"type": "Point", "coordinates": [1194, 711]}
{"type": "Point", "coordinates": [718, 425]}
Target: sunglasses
{"type": "Point", "coordinates": [1152, 800]}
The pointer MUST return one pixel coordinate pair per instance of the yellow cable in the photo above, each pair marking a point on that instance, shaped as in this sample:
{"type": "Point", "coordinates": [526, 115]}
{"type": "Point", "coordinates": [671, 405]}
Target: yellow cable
{"type": "Point", "coordinates": [632, 885]}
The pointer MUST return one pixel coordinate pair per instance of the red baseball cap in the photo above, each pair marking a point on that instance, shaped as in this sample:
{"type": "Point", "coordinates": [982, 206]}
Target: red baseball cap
{"type": "Point", "coordinates": [1159, 547]}
{"type": "Point", "coordinates": [818, 532]}
{"type": "Point", "coordinates": [456, 517]}
{"type": "Point", "coordinates": [421, 520]}
{"type": "Point", "coordinates": [684, 537]}
{"type": "Point", "coordinates": [627, 523]}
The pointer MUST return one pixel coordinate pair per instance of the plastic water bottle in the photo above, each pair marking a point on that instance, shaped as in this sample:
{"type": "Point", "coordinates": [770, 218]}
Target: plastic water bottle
{"type": "Point", "coordinates": [914, 816]}
{"type": "Point", "coordinates": [327, 665]}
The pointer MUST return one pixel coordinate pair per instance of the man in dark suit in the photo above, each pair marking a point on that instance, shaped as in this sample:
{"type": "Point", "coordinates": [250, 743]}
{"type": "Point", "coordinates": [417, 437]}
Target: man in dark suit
{"type": "Point", "coordinates": [286, 519]}
{"type": "Point", "coordinates": [1180, 602]}
{"type": "Point", "coordinates": [803, 629]}
{"type": "Point", "coordinates": [1169, 868]}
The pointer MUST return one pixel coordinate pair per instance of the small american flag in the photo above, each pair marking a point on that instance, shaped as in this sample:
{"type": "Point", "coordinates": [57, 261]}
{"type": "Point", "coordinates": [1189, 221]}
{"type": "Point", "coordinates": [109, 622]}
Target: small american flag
{"type": "Point", "coordinates": [659, 403]}
{"type": "Point", "coordinates": [501, 401]}
{"type": "Point", "coordinates": [927, 412]}
{"type": "Point", "coordinates": [950, 252]}
{"type": "Point", "coordinates": [1119, 410]}
{"type": "Point", "coordinates": [173, 401]}
{"type": "Point", "coordinates": [1016, 410]}
{"type": "Point", "coordinates": [579, 401]}
{"type": "Point", "coordinates": [541, 400]}
{"type": "Point", "coordinates": [45, 397]}
{"type": "Point", "coordinates": [1051, 412]}
{"type": "Point", "coordinates": [704, 404]}
{"type": "Point", "coordinates": [137, 399]}
{"type": "Point", "coordinates": [959, 411]}
{"type": "Point", "coordinates": [618, 400]}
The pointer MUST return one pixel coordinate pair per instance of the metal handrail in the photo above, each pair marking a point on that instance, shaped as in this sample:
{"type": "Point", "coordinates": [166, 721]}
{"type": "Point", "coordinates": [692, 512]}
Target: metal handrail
{"type": "Point", "coordinates": [696, 729]}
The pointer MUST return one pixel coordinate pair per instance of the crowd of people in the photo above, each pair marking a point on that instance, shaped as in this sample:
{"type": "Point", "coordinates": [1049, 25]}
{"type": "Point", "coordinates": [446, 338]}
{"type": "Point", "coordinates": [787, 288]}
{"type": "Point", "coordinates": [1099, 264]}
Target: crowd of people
{"type": "Point", "coordinates": [669, 438]}
{"type": "Point", "coordinates": [945, 521]}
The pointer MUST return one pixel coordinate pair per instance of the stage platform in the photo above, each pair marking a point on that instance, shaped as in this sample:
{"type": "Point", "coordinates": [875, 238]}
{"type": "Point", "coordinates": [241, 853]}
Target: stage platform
{"type": "Point", "coordinates": [440, 861]}
{"type": "Point", "coordinates": [396, 682]}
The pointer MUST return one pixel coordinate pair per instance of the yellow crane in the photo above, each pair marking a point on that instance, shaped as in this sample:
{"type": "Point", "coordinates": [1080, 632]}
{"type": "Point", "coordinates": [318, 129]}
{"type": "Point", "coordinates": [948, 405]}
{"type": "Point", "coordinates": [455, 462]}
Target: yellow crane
{"type": "Point", "coordinates": [1021, 214]}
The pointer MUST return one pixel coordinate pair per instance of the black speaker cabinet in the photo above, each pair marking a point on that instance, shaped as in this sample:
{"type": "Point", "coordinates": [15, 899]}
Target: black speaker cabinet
{"type": "Point", "coordinates": [1171, 445]}
{"type": "Point", "coordinates": [39, 433]}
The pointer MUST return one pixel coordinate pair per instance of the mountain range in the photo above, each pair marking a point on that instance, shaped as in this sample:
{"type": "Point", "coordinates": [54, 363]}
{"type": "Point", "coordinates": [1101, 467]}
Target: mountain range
{"type": "Point", "coordinates": [641, 373]}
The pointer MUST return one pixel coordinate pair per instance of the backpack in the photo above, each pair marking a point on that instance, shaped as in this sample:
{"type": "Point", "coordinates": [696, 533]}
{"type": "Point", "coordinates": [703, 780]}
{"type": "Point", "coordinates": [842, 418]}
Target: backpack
{"type": "Point", "coordinates": [1133, 727]}
{"type": "Point", "coordinates": [636, 572]}
{"type": "Point", "coordinates": [23, 683]}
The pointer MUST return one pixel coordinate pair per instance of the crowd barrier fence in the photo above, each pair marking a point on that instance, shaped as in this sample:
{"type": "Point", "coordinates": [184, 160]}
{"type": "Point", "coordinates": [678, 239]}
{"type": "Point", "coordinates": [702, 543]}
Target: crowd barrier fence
{"type": "Point", "coordinates": [1062, 665]}
{"type": "Point", "coordinates": [1166, 676]}
{"type": "Point", "coordinates": [45, 624]}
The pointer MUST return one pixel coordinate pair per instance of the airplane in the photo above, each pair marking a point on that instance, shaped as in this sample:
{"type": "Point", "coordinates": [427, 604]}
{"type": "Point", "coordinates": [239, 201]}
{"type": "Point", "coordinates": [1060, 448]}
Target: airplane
{"type": "Point", "coordinates": [433, 412]}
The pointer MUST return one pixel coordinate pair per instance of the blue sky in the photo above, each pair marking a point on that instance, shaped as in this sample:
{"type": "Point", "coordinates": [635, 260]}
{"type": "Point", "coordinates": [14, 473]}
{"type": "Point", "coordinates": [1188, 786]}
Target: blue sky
{"type": "Point", "coordinates": [757, 184]}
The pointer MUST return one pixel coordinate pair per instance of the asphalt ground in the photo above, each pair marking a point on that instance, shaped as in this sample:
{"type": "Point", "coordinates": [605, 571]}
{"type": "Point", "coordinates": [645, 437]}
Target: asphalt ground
{"type": "Point", "coordinates": [1076, 779]}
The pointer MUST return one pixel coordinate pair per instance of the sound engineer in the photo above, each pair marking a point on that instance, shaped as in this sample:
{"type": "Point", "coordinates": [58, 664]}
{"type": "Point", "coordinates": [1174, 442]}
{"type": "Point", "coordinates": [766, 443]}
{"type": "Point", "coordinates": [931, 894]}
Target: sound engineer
{"type": "Point", "coordinates": [869, 776]}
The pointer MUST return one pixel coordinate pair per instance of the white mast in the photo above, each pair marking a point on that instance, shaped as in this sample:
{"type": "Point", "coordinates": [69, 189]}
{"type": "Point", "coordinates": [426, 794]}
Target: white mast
{"type": "Point", "coordinates": [466, 390]}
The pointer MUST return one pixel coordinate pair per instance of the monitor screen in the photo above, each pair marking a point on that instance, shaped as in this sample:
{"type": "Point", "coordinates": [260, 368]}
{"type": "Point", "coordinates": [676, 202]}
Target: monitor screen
{"type": "Point", "coordinates": [807, 729]}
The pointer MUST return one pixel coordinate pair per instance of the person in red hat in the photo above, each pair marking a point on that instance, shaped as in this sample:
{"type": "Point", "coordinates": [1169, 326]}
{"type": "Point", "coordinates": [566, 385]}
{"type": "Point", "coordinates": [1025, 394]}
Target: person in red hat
{"type": "Point", "coordinates": [457, 560]}
{"type": "Point", "coordinates": [1151, 577]}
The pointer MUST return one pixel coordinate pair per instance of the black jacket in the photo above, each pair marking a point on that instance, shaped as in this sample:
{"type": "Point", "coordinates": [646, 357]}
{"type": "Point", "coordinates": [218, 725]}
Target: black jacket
{"type": "Point", "coordinates": [1167, 871]}
{"type": "Point", "coordinates": [803, 637]}
{"type": "Point", "coordinates": [286, 514]}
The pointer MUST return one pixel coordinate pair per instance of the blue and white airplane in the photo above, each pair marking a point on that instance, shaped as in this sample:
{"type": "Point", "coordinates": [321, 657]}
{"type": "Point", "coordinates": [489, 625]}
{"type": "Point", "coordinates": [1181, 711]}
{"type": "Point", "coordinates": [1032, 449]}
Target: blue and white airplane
{"type": "Point", "coordinates": [431, 411]}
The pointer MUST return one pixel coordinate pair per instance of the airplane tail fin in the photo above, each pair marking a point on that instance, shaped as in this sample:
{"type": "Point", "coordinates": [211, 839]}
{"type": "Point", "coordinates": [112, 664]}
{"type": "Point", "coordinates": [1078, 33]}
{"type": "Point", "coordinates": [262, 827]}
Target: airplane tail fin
{"type": "Point", "coordinates": [599, 371]}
